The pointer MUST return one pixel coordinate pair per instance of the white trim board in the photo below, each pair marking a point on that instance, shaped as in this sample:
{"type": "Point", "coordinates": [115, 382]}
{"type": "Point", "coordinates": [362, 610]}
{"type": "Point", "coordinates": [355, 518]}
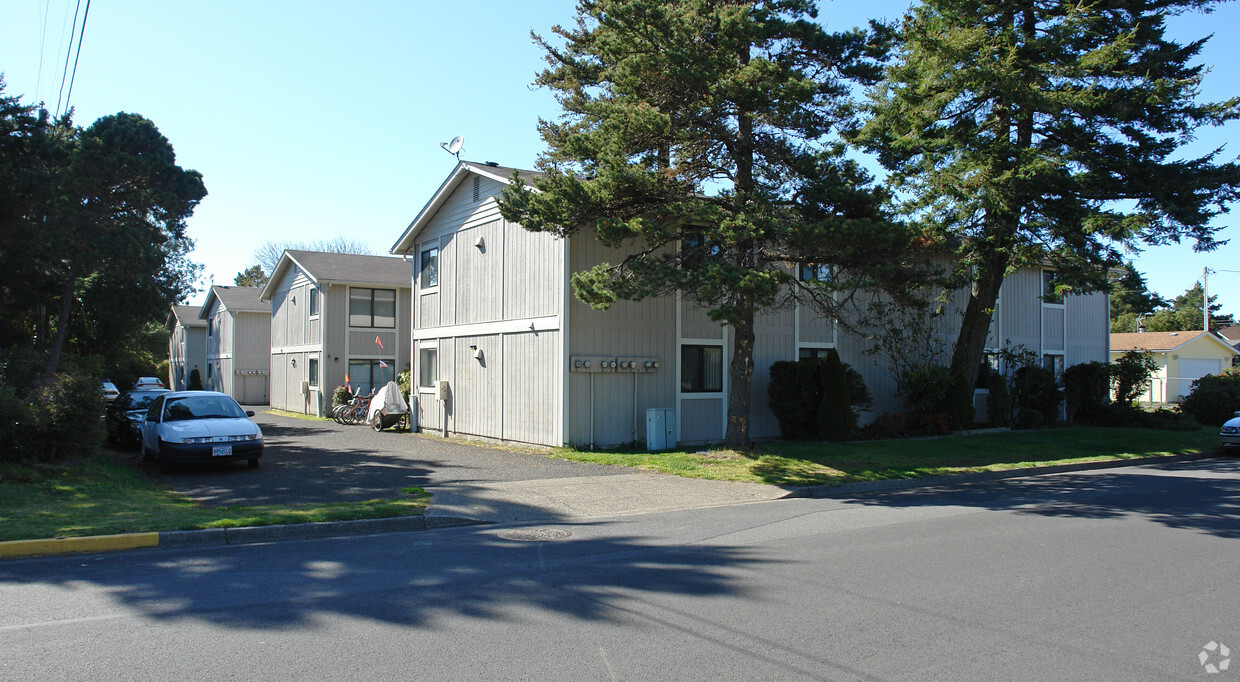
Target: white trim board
{"type": "Point", "coordinates": [550, 323]}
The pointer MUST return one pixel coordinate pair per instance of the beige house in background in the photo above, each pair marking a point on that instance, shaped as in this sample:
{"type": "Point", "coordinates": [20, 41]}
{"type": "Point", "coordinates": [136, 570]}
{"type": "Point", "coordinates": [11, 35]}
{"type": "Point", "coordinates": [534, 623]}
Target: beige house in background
{"type": "Point", "coordinates": [1182, 357]}
{"type": "Point", "coordinates": [238, 343]}
{"type": "Point", "coordinates": [187, 346]}
{"type": "Point", "coordinates": [504, 351]}
{"type": "Point", "coordinates": [335, 318]}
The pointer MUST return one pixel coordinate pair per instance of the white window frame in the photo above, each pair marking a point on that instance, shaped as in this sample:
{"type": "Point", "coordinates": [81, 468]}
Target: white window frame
{"type": "Point", "coordinates": [723, 369]}
{"type": "Point", "coordinates": [424, 345]}
{"type": "Point", "coordinates": [315, 305]}
{"type": "Point", "coordinates": [423, 249]}
{"type": "Point", "coordinates": [1060, 302]}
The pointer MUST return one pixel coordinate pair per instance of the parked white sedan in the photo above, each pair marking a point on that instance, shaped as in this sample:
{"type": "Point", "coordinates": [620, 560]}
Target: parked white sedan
{"type": "Point", "coordinates": [199, 426]}
{"type": "Point", "coordinates": [1230, 433]}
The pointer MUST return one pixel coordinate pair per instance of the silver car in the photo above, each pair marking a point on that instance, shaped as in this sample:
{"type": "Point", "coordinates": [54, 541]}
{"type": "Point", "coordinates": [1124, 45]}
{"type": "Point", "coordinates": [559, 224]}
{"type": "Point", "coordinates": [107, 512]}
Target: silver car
{"type": "Point", "coordinates": [1230, 433]}
{"type": "Point", "coordinates": [199, 426]}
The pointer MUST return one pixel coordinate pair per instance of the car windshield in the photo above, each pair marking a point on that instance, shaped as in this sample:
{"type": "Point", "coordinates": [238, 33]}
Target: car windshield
{"type": "Point", "coordinates": [202, 407]}
{"type": "Point", "coordinates": [141, 401]}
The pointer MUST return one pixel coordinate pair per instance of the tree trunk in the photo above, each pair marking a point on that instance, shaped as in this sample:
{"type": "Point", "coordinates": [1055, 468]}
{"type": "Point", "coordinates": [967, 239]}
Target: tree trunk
{"type": "Point", "coordinates": [740, 382]}
{"type": "Point", "coordinates": [62, 324]}
{"type": "Point", "coordinates": [975, 326]}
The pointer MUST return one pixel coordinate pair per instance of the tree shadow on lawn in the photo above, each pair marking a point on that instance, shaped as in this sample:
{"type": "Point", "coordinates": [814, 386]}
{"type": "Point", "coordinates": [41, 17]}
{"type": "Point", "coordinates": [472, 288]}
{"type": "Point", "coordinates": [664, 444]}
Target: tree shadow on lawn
{"type": "Point", "coordinates": [1170, 494]}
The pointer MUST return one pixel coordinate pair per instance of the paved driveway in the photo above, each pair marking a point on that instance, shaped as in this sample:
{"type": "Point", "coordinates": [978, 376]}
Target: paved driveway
{"type": "Point", "coordinates": [312, 461]}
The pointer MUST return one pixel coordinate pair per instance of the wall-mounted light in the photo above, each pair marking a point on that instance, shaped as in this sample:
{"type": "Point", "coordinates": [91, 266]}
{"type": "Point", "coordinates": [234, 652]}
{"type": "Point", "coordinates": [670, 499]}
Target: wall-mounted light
{"type": "Point", "coordinates": [292, 361]}
{"type": "Point", "coordinates": [294, 299]}
{"type": "Point", "coordinates": [482, 245]}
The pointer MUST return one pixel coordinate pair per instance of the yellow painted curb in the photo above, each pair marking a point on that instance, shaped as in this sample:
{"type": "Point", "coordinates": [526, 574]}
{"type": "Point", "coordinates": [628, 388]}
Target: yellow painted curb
{"type": "Point", "coordinates": [90, 543]}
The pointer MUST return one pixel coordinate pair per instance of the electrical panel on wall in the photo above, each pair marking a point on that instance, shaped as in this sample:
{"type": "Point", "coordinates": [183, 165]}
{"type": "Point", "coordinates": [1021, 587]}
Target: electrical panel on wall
{"type": "Point", "coordinates": [595, 364]}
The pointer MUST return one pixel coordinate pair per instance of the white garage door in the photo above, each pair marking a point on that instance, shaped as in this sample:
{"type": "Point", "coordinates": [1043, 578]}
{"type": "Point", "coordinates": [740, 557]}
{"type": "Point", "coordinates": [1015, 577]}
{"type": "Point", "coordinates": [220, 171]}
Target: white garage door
{"type": "Point", "coordinates": [1195, 368]}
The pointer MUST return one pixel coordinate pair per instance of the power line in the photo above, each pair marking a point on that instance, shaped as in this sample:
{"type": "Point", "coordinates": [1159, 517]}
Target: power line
{"type": "Point", "coordinates": [81, 34]}
{"type": "Point", "coordinates": [38, 83]}
{"type": "Point", "coordinates": [65, 73]}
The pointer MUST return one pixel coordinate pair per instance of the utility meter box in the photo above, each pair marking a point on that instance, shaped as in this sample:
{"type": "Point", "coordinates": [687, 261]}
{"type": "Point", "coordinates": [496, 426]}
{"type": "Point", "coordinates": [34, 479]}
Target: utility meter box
{"type": "Point", "coordinates": [660, 428]}
{"type": "Point", "coordinates": [442, 389]}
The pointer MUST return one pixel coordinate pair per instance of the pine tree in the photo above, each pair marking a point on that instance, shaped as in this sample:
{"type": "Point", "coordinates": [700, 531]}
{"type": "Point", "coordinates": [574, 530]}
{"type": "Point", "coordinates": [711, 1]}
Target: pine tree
{"type": "Point", "coordinates": [1028, 131]}
{"type": "Point", "coordinates": [696, 134]}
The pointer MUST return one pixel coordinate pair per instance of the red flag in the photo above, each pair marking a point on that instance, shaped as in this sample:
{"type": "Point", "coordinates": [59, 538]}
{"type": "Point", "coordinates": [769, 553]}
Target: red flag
{"type": "Point", "coordinates": [379, 341]}
{"type": "Point", "coordinates": [383, 364]}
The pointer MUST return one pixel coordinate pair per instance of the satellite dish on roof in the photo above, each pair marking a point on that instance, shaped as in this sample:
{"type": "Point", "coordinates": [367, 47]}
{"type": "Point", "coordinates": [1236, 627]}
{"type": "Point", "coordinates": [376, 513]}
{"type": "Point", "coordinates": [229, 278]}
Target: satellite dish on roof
{"type": "Point", "coordinates": [454, 147]}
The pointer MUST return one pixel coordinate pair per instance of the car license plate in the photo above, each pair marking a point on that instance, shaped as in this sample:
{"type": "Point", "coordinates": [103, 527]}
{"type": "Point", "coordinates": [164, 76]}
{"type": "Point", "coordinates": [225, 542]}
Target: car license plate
{"type": "Point", "coordinates": [221, 451]}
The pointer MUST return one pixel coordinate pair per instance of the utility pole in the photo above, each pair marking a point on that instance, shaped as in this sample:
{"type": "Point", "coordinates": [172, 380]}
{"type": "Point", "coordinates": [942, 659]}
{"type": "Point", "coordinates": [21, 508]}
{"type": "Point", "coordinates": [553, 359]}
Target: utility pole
{"type": "Point", "coordinates": [1205, 299]}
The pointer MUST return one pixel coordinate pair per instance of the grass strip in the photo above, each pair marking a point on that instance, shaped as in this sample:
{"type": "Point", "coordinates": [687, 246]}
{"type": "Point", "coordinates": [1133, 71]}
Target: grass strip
{"type": "Point", "coordinates": [95, 496]}
{"type": "Point", "coordinates": [819, 463]}
{"type": "Point", "coordinates": [298, 415]}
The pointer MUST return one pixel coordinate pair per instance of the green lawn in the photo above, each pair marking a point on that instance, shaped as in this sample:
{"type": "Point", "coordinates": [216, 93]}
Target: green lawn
{"type": "Point", "coordinates": [96, 496]}
{"type": "Point", "coordinates": [801, 464]}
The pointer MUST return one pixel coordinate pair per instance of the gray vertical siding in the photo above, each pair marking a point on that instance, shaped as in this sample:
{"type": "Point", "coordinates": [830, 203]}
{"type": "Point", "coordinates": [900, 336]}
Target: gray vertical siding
{"type": "Point", "coordinates": [1088, 328]}
{"type": "Point", "coordinates": [515, 392]}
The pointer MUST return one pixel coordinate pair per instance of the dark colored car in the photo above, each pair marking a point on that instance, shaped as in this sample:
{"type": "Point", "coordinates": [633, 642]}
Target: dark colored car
{"type": "Point", "coordinates": [199, 426]}
{"type": "Point", "coordinates": [126, 413]}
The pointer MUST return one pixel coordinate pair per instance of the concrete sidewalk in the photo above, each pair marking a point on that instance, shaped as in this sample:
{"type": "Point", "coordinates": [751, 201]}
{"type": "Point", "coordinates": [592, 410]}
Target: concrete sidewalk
{"type": "Point", "coordinates": [591, 497]}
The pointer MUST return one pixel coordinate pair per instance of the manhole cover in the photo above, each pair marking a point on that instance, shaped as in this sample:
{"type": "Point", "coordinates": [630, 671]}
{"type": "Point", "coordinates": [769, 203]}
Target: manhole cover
{"type": "Point", "coordinates": [535, 534]}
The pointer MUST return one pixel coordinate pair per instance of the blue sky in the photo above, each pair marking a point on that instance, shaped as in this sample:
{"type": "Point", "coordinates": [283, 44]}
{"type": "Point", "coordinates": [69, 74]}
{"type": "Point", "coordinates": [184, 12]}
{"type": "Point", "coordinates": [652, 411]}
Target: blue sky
{"type": "Point", "coordinates": [313, 119]}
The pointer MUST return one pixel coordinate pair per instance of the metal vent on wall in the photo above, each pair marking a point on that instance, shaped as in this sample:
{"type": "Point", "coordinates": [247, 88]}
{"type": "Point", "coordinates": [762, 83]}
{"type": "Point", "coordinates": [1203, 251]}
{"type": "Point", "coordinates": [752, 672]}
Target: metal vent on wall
{"type": "Point", "coordinates": [477, 187]}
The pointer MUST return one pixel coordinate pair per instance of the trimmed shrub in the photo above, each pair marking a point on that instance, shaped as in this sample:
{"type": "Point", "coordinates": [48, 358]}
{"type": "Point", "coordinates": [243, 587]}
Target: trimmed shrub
{"type": "Point", "coordinates": [797, 390]}
{"type": "Point", "coordinates": [836, 419]}
{"type": "Point", "coordinates": [1086, 389]}
{"type": "Point", "coordinates": [55, 420]}
{"type": "Point", "coordinates": [887, 425]}
{"type": "Point", "coordinates": [1214, 398]}
{"type": "Point", "coordinates": [937, 401]}
{"type": "Point", "coordinates": [195, 380]}
{"type": "Point", "coordinates": [1034, 391]}
{"type": "Point", "coordinates": [998, 403]}
{"type": "Point", "coordinates": [1130, 375]}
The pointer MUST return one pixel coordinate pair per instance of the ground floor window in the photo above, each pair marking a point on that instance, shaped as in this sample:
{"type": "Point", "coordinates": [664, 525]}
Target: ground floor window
{"type": "Point", "coordinates": [1054, 364]}
{"type": "Point", "coordinates": [369, 375]}
{"type": "Point", "coordinates": [428, 367]}
{"type": "Point", "coordinates": [314, 371]}
{"type": "Point", "coordinates": [813, 353]}
{"type": "Point", "coordinates": [701, 369]}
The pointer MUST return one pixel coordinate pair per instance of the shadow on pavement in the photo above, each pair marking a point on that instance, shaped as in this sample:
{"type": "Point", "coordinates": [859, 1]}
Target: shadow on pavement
{"type": "Point", "coordinates": [1166, 493]}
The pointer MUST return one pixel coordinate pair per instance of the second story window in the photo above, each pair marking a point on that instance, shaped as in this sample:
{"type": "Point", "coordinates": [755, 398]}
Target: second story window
{"type": "Point", "coordinates": [815, 272]}
{"type": "Point", "coordinates": [429, 269]}
{"type": "Point", "coordinates": [372, 308]}
{"type": "Point", "coordinates": [314, 301]}
{"type": "Point", "coordinates": [210, 326]}
{"type": "Point", "coordinates": [1049, 295]}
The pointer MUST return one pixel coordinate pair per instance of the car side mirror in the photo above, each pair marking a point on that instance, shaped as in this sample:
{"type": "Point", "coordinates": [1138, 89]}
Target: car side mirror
{"type": "Point", "coordinates": [249, 413]}
{"type": "Point", "coordinates": [1238, 413]}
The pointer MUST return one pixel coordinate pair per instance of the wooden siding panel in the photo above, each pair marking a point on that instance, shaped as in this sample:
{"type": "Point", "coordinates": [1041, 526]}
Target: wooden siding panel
{"type": "Point", "coordinates": [532, 266]}
{"type": "Point", "coordinates": [1022, 309]}
{"type": "Point", "coordinates": [696, 324]}
{"type": "Point", "coordinates": [1088, 328]}
{"type": "Point", "coordinates": [362, 344]}
{"type": "Point", "coordinates": [773, 342]}
{"type": "Point", "coordinates": [428, 310]}
{"type": "Point", "coordinates": [701, 420]}
{"type": "Point", "coordinates": [1052, 328]}
{"type": "Point", "coordinates": [476, 390]}
{"type": "Point", "coordinates": [478, 275]}
{"type": "Point", "coordinates": [531, 393]}
{"type": "Point", "coordinates": [815, 327]}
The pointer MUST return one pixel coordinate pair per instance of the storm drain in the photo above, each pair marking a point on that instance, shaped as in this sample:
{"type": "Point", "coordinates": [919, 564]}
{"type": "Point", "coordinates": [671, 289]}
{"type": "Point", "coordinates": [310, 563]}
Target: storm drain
{"type": "Point", "coordinates": [534, 534]}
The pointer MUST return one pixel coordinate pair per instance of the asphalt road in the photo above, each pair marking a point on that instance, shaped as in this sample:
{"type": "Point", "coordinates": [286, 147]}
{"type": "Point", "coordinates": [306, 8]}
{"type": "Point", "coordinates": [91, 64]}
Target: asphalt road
{"type": "Point", "coordinates": [313, 461]}
{"type": "Point", "coordinates": [1111, 574]}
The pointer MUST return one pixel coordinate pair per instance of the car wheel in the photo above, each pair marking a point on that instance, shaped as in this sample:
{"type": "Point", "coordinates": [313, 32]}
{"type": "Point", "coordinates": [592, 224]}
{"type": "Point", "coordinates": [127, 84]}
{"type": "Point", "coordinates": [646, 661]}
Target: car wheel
{"type": "Point", "coordinates": [252, 463]}
{"type": "Point", "coordinates": [147, 455]}
{"type": "Point", "coordinates": [166, 465]}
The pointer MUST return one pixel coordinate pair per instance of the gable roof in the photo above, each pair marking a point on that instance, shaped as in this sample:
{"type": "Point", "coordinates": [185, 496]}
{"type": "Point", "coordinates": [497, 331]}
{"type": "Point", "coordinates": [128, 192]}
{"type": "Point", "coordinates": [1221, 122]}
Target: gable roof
{"type": "Point", "coordinates": [464, 169]}
{"type": "Point", "coordinates": [1160, 341]}
{"type": "Point", "coordinates": [1231, 334]}
{"type": "Point", "coordinates": [322, 268]}
{"type": "Point", "coordinates": [185, 315]}
{"type": "Point", "coordinates": [234, 300]}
